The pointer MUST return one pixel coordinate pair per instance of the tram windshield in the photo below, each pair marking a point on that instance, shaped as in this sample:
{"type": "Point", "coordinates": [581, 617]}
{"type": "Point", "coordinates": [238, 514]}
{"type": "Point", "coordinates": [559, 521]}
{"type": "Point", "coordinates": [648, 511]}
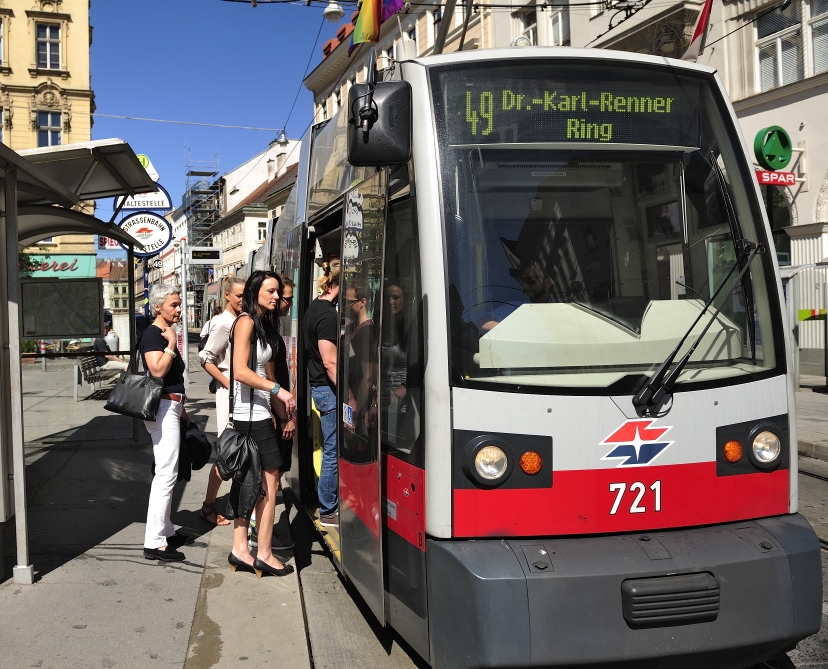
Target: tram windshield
{"type": "Point", "coordinates": [591, 209]}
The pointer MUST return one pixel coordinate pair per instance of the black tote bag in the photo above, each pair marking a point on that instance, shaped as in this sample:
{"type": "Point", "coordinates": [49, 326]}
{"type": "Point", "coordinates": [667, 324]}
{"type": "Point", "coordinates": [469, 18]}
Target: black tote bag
{"type": "Point", "coordinates": [136, 395]}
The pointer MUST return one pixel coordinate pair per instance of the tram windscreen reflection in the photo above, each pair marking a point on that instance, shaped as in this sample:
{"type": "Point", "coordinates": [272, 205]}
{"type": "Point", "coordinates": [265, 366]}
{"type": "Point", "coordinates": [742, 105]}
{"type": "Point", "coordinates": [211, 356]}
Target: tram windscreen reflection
{"type": "Point", "coordinates": [583, 267]}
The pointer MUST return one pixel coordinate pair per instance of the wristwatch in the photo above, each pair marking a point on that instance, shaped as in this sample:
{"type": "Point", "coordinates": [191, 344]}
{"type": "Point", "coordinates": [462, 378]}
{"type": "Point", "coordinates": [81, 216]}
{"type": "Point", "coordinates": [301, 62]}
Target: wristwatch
{"type": "Point", "coordinates": [170, 352]}
{"type": "Point", "coordinates": [275, 389]}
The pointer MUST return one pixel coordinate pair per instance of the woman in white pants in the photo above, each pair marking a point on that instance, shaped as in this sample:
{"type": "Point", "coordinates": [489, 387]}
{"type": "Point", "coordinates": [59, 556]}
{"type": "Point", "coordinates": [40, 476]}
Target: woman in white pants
{"type": "Point", "coordinates": [161, 359]}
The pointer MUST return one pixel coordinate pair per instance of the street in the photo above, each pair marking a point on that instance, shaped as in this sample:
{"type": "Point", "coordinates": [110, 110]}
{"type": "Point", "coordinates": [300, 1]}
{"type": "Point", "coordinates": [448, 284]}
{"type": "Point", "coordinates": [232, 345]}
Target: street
{"type": "Point", "coordinates": [97, 603]}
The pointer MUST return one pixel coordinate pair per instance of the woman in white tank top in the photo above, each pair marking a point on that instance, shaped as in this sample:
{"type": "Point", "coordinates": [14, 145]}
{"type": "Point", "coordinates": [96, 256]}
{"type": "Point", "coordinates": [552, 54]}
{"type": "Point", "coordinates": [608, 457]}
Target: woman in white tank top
{"type": "Point", "coordinates": [255, 327]}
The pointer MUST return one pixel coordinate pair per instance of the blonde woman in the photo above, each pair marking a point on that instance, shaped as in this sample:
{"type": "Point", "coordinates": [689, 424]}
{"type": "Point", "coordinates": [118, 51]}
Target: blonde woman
{"type": "Point", "coordinates": [215, 359]}
{"type": "Point", "coordinates": [321, 332]}
{"type": "Point", "coordinates": [160, 357]}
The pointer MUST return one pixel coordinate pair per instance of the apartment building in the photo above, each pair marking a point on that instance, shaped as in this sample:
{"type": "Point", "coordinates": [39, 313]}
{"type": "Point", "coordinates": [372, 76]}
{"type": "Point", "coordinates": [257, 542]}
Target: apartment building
{"type": "Point", "coordinates": [46, 97]}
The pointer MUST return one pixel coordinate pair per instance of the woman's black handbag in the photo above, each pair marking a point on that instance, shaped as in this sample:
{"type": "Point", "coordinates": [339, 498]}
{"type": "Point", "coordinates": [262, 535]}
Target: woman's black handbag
{"type": "Point", "coordinates": [136, 395]}
{"type": "Point", "coordinates": [233, 448]}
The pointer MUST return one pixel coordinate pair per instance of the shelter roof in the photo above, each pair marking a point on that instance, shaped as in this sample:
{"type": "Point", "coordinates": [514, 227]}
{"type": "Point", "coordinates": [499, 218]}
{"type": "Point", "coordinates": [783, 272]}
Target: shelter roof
{"type": "Point", "coordinates": [93, 170]}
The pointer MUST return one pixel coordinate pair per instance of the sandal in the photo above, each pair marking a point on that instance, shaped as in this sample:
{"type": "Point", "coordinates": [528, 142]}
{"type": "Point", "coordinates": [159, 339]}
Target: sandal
{"type": "Point", "coordinates": [211, 515]}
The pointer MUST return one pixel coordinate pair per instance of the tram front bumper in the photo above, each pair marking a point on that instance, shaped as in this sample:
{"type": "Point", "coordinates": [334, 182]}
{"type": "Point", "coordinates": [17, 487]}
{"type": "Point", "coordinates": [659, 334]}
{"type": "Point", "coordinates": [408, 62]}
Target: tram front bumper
{"type": "Point", "coordinates": [493, 603]}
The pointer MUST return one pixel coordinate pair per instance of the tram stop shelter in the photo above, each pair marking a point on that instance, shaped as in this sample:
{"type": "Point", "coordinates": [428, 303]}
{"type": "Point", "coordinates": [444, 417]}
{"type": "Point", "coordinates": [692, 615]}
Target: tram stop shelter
{"type": "Point", "coordinates": [41, 191]}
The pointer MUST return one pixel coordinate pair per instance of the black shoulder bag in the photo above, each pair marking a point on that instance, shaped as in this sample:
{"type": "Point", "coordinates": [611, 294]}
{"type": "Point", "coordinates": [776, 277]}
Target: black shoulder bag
{"type": "Point", "coordinates": [136, 395]}
{"type": "Point", "coordinates": [233, 447]}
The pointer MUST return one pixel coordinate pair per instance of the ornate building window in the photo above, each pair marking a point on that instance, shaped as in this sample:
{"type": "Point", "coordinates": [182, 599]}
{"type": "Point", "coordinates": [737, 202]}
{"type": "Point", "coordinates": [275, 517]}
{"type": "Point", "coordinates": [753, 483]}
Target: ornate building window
{"type": "Point", "coordinates": [49, 29]}
{"type": "Point", "coordinates": [48, 46]}
{"type": "Point", "coordinates": [556, 29]}
{"type": "Point", "coordinates": [784, 39]}
{"type": "Point", "coordinates": [49, 129]}
{"type": "Point", "coordinates": [818, 28]}
{"type": "Point", "coordinates": [526, 22]}
{"type": "Point", "coordinates": [51, 114]}
{"type": "Point", "coordinates": [779, 48]}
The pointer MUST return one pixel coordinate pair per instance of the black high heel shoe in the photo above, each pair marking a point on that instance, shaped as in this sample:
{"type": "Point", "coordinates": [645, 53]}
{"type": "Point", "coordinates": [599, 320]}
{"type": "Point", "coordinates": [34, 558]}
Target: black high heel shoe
{"type": "Point", "coordinates": [262, 567]}
{"type": "Point", "coordinates": [235, 563]}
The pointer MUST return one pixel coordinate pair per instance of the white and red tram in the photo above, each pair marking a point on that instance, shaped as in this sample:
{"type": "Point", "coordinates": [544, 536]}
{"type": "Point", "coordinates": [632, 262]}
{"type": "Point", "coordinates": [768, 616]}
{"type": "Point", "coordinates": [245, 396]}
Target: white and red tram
{"type": "Point", "coordinates": [572, 439]}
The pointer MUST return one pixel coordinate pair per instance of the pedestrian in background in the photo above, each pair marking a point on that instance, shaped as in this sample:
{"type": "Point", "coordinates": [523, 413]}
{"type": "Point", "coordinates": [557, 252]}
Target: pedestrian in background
{"type": "Point", "coordinates": [215, 359]}
{"type": "Point", "coordinates": [321, 333]}
{"type": "Point", "coordinates": [107, 361]}
{"type": "Point", "coordinates": [256, 392]}
{"type": "Point", "coordinates": [161, 360]}
{"type": "Point", "coordinates": [208, 326]}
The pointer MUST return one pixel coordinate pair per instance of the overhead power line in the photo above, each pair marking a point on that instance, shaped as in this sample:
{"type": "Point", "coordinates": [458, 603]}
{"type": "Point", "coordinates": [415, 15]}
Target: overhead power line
{"type": "Point", "coordinates": [204, 125]}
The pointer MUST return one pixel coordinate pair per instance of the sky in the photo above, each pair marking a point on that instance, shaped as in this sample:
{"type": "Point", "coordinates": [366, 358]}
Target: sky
{"type": "Point", "coordinates": [208, 61]}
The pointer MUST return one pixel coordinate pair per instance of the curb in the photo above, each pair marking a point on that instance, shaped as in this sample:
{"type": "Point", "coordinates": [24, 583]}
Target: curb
{"type": "Point", "coordinates": [816, 451]}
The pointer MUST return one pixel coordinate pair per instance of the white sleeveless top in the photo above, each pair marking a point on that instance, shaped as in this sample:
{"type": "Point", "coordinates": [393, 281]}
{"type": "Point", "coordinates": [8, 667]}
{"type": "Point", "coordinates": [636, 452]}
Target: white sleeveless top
{"type": "Point", "coordinates": [261, 398]}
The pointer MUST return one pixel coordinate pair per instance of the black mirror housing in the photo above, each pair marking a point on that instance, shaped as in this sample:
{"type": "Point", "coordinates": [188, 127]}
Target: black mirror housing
{"type": "Point", "coordinates": [388, 140]}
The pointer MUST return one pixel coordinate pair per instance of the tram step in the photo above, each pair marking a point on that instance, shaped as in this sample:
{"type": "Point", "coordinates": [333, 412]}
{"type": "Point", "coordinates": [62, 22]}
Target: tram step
{"type": "Point", "coordinates": [670, 600]}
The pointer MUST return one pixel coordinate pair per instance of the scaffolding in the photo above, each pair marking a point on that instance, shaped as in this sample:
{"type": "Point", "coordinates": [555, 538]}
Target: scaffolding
{"type": "Point", "coordinates": [202, 208]}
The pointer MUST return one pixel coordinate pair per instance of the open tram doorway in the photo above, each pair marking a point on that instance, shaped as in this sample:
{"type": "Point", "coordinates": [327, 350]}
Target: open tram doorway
{"type": "Point", "coordinates": [323, 246]}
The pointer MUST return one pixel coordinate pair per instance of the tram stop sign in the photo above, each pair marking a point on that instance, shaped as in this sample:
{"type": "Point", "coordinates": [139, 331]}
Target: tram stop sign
{"type": "Point", "coordinates": [772, 148]}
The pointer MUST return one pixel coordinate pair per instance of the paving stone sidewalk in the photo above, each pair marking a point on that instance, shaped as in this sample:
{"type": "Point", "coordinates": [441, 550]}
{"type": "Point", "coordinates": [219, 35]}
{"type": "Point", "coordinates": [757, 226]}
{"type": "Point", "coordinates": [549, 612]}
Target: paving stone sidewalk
{"type": "Point", "coordinates": [812, 417]}
{"type": "Point", "coordinates": [96, 601]}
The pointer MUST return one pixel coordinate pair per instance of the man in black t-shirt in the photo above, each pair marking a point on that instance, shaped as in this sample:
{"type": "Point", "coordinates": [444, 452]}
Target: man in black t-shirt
{"type": "Point", "coordinates": [321, 323]}
{"type": "Point", "coordinates": [321, 335]}
{"type": "Point", "coordinates": [107, 361]}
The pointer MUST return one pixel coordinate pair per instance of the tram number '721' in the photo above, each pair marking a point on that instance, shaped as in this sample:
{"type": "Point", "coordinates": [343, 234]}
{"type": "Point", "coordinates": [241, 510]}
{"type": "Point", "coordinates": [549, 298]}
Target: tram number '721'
{"type": "Point", "coordinates": [639, 490]}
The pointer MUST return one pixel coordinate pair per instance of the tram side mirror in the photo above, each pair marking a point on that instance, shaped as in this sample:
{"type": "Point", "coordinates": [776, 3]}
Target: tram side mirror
{"type": "Point", "coordinates": [379, 124]}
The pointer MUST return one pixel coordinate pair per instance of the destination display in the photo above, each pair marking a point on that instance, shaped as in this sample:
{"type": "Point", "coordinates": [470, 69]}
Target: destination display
{"type": "Point", "coordinates": [529, 110]}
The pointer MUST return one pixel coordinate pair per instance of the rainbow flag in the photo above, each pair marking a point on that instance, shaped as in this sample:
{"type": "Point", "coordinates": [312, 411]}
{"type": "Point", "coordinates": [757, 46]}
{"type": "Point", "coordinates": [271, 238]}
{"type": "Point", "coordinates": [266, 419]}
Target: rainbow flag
{"type": "Point", "coordinates": [372, 15]}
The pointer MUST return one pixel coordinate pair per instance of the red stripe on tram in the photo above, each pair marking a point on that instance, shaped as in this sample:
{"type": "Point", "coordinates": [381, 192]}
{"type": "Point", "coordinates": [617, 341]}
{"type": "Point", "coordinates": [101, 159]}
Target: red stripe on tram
{"type": "Point", "coordinates": [621, 500]}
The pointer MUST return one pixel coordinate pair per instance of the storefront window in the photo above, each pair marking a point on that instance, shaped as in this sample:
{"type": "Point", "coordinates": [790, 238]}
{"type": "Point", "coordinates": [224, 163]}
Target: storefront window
{"type": "Point", "coordinates": [779, 216]}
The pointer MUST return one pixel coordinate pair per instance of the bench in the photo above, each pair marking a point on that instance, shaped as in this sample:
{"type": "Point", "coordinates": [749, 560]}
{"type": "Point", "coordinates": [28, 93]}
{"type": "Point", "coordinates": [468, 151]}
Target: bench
{"type": "Point", "coordinates": [88, 371]}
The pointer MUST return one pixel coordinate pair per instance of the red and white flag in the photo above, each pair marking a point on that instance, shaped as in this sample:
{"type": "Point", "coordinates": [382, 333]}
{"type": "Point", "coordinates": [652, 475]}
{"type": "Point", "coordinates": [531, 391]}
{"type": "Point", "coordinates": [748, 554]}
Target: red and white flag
{"type": "Point", "coordinates": [696, 47]}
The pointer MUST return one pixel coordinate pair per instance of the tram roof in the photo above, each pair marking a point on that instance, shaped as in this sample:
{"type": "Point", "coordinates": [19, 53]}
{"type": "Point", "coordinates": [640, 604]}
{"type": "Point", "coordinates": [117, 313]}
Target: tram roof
{"type": "Point", "coordinates": [510, 53]}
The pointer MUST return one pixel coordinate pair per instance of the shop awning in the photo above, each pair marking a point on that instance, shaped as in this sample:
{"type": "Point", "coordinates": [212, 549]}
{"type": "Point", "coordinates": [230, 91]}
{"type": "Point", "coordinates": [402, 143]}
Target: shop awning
{"type": "Point", "coordinates": [36, 222]}
{"type": "Point", "coordinates": [93, 170]}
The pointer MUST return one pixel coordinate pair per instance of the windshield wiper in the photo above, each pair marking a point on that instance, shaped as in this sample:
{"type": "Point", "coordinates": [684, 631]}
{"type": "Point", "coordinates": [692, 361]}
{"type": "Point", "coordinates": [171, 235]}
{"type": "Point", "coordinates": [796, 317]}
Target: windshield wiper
{"type": "Point", "coordinates": [738, 238]}
{"type": "Point", "coordinates": [658, 387]}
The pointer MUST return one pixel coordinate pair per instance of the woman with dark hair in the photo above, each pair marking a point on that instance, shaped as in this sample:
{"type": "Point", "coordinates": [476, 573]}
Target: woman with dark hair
{"type": "Point", "coordinates": [256, 392]}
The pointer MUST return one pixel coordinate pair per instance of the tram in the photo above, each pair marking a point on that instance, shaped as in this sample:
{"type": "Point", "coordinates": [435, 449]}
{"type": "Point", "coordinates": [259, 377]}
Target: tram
{"type": "Point", "coordinates": [578, 443]}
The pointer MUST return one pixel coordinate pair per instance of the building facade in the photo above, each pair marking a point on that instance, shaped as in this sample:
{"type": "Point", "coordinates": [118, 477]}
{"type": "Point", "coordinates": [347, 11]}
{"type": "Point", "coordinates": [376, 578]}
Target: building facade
{"type": "Point", "coordinates": [412, 32]}
{"type": "Point", "coordinates": [244, 229]}
{"type": "Point", "coordinates": [46, 97]}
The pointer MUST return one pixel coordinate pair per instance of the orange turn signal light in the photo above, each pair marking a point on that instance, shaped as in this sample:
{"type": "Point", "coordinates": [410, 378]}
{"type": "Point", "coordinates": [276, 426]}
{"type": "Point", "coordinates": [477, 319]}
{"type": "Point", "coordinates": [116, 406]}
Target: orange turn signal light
{"type": "Point", "coordinates": [733, 451]}
{"type": "Point", "coordinates": [531, 462]}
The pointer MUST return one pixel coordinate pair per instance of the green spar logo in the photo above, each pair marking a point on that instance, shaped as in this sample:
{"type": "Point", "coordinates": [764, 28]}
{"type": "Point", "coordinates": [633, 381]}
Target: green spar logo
{"type": "Point", "coordinates": [772, 148]}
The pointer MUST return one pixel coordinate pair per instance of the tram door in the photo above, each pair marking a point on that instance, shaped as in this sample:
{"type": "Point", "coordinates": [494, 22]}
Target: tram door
{"type": "Point", "coordinates": [357, 389]}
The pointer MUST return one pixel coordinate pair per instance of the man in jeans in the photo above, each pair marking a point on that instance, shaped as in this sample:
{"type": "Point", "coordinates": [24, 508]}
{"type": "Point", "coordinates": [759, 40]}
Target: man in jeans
{"type": "Point", "coordinates": [321, 334]}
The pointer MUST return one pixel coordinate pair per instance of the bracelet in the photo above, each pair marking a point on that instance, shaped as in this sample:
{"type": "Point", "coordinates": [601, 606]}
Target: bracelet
{"type": "Point", "coordinates": [275, 389]}
{"type": "Point", "coordinates": [170, 352]}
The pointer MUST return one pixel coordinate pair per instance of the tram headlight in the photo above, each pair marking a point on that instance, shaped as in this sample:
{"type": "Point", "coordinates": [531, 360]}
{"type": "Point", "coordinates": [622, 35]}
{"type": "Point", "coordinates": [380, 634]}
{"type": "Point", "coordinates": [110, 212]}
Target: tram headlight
{"type": "Point", "coordinates": [491, 462]}
{"type": "Point", "coordinates": [766, 447]}
{"type": "Point", "coordinates": [487, 461]}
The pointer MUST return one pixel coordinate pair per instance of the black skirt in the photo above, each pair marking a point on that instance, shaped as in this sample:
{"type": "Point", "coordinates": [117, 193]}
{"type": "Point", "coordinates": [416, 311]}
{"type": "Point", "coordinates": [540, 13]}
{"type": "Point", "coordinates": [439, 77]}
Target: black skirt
{"type": "Point", "coordinates": [264, 434]}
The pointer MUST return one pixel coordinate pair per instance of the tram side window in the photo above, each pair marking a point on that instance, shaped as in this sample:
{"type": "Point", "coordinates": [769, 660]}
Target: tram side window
{"type": "Point", "coordinates": [401, 359]}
